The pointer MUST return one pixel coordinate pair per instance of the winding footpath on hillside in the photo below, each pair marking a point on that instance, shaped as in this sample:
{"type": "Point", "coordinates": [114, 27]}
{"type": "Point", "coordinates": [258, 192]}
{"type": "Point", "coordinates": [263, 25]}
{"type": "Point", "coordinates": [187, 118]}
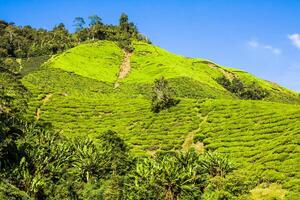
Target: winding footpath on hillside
{"type": "Point", "coordinates": [44, 101]}
{"type": "Point", "coordinates": [189, 140]}
{"type": "Point", "coordinates": [124, 68]}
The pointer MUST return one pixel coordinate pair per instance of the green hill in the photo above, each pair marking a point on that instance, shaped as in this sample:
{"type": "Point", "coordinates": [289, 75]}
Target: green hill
{"type": "Point", "coordinates": [76, 92]}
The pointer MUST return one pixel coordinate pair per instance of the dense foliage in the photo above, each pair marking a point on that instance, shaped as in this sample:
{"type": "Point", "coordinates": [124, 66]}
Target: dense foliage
{"type": "Point", "coordinates": [26, 41]}
{"type": "Point", "coordinates": [237, 87]}
{"type": "Point", "coordinates": [162, 97]}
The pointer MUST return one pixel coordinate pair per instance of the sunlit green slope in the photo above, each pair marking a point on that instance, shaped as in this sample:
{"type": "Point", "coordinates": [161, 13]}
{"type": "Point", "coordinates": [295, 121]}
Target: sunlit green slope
{"type": "Point", "coordinates": [189, 77]}
{"type": "Point", "coordinates": [100, 60]}
{"type": "Point", "coordinates": [261, 137]}
{"type": "Point", "coordinates": [75, 92]}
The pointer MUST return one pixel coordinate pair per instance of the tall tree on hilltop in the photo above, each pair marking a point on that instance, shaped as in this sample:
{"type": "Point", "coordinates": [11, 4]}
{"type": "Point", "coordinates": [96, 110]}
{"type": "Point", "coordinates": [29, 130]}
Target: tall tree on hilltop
{"type": "Point", "coordinates": [123, 22]}
{"type": "Point", "coordinates": [60, 26]}
{"type": "Point", "coordinates": [96, 30]}
{"type": "Point", "coordinates": [95, 19]}
{"type": "Point", "coordinates": [79, 23]}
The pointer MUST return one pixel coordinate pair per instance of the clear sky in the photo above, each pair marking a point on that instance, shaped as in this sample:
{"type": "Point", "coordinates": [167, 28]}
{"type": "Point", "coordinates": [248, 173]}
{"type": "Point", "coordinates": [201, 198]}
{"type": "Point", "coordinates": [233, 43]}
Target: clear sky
{"type": "Point", "coordinates": [259, 36]}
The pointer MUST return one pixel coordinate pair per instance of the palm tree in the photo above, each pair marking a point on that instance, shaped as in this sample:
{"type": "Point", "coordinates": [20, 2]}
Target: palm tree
{"type": "Point", "coordinates": [216, 164]}
{"type": "Point", "coordinates": [87, 159]}
{"type": "Point", "coordinates": [171, 176]}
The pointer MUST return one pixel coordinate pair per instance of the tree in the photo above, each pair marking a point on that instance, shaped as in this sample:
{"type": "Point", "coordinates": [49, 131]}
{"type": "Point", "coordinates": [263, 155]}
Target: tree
{"type": "Point", "coordinates": [128, 29]}
{"type": "Point", "coordinates": [237, 87]}
{"type": "Point", "coordinates": [115, 152]}
{"type": "Point", "coordinates": [225, 82]}
{"type": "Point", "coordinates": [88, 162]}
{"type": "Point", "coordinates": [123, 22]}
{"type": "Point", "coordinates": [95, 19]}
{"type": "Point", "coordinates": [26, 41]}
{"type": "Point", "coordinates": [217, 164]}
{"type": "Point", "coordinates": [254, 92]}
{"type": "Point", "coordinates": [78, 23]}
{"type": "Point", "coordinates": [162, 98]}
{"type": "Point", "coordinates": [60, 39]}
{"type": "Point", "coordinates": [45, 161]}
{"type": "Point", "coordinates": [97, 32]}
{"type": "Point", "coordinates": [60, 26]}
{"type": "Point", "coordinates": [169, 177]}
{"type": "Point", "coordinates": [81, 35]}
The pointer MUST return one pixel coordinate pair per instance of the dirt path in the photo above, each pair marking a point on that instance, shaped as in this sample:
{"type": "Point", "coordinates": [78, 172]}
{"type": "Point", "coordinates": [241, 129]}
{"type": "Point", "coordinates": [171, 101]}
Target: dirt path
{"type": "Point", "coordinates": [228, 74]}
{"type": "Point", "coordinates": [189, 140]}
{"type": "Point", "coordinates": [124, 68]}
{"type": "Point", "coordinates": [37, 114]}
{"type": "Point", "coordinates": [46, 98]}
{"type": "Point", "coordinates": [44, 101]}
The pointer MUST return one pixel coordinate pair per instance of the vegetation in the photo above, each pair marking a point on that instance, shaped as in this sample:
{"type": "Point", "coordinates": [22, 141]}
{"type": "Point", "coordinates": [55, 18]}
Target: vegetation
{"type": "Point", "coordinates": [237, 87]}
{"type": "Point", "coordinates": [38, 162]}
{"type": "Point", "coordinates": [103, 65]}
{"type": "Point", "coordinates": [67, 133]}
{"type": "Point", "coordinates": [259, 137]}
{"type": "Point", "coordinates": [27, 42]}
{"type": "Point", "coordinates": [162, 98]}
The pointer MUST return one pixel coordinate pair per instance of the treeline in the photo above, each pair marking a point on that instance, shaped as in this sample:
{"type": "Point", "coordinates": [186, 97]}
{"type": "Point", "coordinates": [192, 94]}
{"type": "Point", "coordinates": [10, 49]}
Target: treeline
{"type": "Point", "coordinates": [26, 41]}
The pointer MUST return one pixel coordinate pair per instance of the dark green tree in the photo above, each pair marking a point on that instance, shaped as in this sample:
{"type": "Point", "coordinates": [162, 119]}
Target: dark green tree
{"type": "Point", "coordinates": [169, 177]}
{"type": "Point", "coordinates": [216, 164]}
{"type": "Point", "coordinates": [123, 22]}
{"type": "Point", "coordinates": [237, 86]}
{"type": "Point", "coordinates": [88, 162]}
{"type": "Point", "coordinates": [97, 31]}
{"type": "Point", "coordinates": [116, 152]}
{"type": "Point", "coordinates": [78, 23]}
{"type": "Point", "coordinates": [95, 19]}
{"type": "Point", "coordinates": [162, 96]}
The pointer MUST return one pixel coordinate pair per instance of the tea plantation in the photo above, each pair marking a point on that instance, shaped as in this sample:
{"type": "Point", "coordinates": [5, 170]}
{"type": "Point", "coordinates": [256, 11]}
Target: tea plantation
{"type": "Point", "coordinates": [75, 92]}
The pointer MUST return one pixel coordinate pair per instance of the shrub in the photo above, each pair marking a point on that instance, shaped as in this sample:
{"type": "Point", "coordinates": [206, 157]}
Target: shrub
{"type": "Point", "coordinates": [236, 184]}
{"type": "Point", "coordinates": [166, 177]}
{"type": "Point", "coordinates": [199, 138]}
{"type": "Point", "coordinates": [10, 192]}
{"type": "Point", "coordinates": [126, 44]}
{"type": "Point", "coordinates": [254, 92]}
{"type": "Point", "coordinates": [217, 164]}
{"type": "Point", "coordinates": [162, 97]}
{"type": "Point", "coordinates": [224, 82]}
{"type": "Point", "coordinates": [237, 87]}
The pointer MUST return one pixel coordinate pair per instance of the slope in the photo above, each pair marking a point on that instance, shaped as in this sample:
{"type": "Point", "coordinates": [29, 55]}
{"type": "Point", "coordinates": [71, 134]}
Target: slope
{"type": "Point", "coordinates": [262, 137]}
{"type": "Point", "coordinates": [99, 60]}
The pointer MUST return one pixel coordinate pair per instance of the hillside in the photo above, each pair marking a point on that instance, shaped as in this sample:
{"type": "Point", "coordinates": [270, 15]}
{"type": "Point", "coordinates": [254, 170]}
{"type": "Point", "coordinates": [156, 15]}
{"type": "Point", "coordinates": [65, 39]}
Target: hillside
{"type": "Point", "coordinates": [75, 91]}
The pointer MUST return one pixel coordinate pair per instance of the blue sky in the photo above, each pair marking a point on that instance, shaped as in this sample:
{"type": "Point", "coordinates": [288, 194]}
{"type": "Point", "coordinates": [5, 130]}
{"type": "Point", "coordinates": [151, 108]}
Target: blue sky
{"type": "Point", "coordinates": [259, 36]}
